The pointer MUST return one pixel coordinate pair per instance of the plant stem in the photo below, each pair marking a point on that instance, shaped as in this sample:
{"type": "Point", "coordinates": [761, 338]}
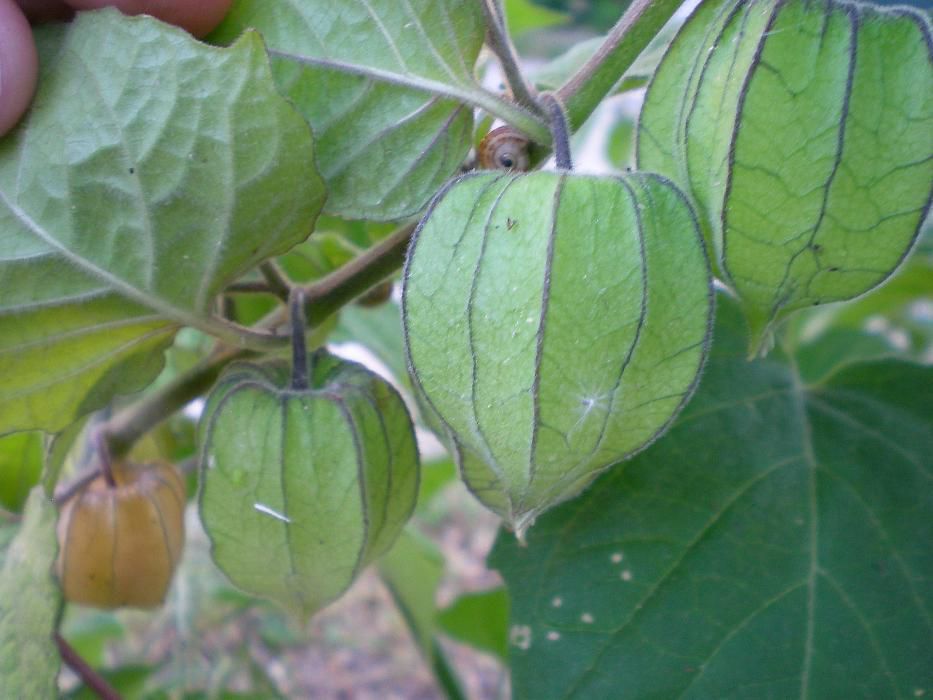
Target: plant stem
{"type": "Point", "coordinates": [322, 298]}
{"type": "Point", "coordinates": [365, 271]}
{"type": "Point", "coordinates": [275, 278]}
{"type": "Point", "coordinates": [69, 492]}
{"type": "Point", "coordinates": [130, 424]}
{"type": "Point", "coordinates": [498, 39]}
{"type": "Point", "coordinates": [248, 288]}
{"type": "Point", "coordinates": [88, 675]}
{"type": "Point", "coordinates": [103, 456]}
{"type": "Point", "coordinates": [296, 312]}
{"type": "Point", "coordinates": [559, 129]}
{"type": "Point", "coordinates": [583, 92]}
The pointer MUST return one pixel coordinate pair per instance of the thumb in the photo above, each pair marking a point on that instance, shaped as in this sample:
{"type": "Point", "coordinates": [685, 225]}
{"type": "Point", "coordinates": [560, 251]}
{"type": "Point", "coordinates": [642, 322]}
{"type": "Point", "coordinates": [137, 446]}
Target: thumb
{"type": "Point", "coordinates": [18, 65]}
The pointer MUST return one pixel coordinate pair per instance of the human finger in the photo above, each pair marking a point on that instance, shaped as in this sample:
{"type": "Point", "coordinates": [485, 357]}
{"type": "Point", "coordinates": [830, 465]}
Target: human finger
{"type": "Point", "coordinates": [199, 18]}
{"type": "Point", "coordinates": [19, 65]}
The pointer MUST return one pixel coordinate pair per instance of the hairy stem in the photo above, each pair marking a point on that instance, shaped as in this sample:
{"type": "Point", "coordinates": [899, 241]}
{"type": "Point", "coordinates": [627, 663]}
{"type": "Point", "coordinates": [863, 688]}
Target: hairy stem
{"type": "Point", "coordinates": [559, 129]}
{"type": "Point", "coordinates": [498, 39]}
{"type": "Point", "coordinates": [296, 306]}
{"type": "Point", "coordinates": [583, 92]}
{"type": "Point", "coordinates": [365, 271]}
{"type": "Point", "coordinates": [93, 680]}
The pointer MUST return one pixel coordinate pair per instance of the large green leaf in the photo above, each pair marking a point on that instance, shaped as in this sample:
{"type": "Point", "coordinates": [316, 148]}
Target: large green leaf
{"type": "Point", "coordinates": [776, 543]}
{"type": "Point", "coordinates": [804, 134]}
{"type": "Point", "coordinates": [29, 605]}
{"type": "Point", "coordinates": [151, 170]}
{"type": "Point", "coordinates": [382, 83]}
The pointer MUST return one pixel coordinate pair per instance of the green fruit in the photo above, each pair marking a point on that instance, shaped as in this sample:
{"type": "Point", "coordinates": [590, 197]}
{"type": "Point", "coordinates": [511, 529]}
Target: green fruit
{"type": "Point", "coordinates": [555, 324]}
{"type": "Point", "coordinates": [302, 488]}
{"type": "Point", "coordinates": [803, 133]}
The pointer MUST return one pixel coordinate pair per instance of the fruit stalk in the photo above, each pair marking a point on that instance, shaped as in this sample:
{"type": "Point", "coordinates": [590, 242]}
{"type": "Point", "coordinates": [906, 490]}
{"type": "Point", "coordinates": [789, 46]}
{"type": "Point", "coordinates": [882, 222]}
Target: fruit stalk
{"type": "Point", "coordinates": [296, 309]}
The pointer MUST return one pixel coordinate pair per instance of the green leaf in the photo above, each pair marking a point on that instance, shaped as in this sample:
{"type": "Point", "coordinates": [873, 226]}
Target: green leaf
{"type": "Point", "coordinates": [556, 72]}
{"type": "Point", "coordinates": [129, 681]}
{"type": "Point", "coordinates": [379, 329]}
{"type": "Point", "coordinates": [523, 16]}
{"type": "Point", "coordinates": [20, 466]}
{"type": "Point", "coordinates": [776, 541]}
{"type": "Point", "coordinates": [90, 632]}
{"type": "Point", "coordinates": [302, 488]}
{"type": "Point", "coordinates": [480, 620]}
{"type": "Point", "coordinates": [435, 476]}
{"type": "Point", "coordinates": [29, 604]}
{"type": "Point", "coordinates": [555, 323]}
{"type": "Point", "coordinates": [57, 450]}
{"type": "Point", "coordinates": [412, 571]}
{"type": "Point", "coordinates": [151, 171]}
{"type": "Point", "coordinates": [837, 348]}
{"type": "Point", "coordinates": [383, 85]}
{"type": "Point", "coordinates": [804, 133]}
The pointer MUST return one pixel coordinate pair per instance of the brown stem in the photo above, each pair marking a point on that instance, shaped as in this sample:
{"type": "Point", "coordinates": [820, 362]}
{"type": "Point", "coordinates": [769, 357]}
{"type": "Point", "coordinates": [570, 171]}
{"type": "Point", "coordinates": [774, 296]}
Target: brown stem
{"type": "Point", "coordinates": [365, 271]}
{"type": "Point", "coordinates": [88, 675]}
{"type": "Point", "coordinates": [248, 288]}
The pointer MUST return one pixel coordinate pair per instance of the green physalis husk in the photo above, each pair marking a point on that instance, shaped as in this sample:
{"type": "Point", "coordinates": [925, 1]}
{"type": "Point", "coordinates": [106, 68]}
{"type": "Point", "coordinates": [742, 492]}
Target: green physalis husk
{"type": "Point", "coordinates": [302, 488]}
{"type": "Point", "coordinates": [803, 133]}
{"type": "Point", "coordinates": [555, 324]}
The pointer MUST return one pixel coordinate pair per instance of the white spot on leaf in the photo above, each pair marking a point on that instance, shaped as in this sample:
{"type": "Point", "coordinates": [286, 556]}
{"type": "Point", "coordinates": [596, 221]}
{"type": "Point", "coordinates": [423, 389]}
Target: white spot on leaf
{"type": "Point", "coordinates": [586, 618]}
{"type": "Point", "coordinates": [626, 575]}
{"type": "Point", "coordinates": [553, 636]}
{"type": "Point", "coordinates": [520, 636]}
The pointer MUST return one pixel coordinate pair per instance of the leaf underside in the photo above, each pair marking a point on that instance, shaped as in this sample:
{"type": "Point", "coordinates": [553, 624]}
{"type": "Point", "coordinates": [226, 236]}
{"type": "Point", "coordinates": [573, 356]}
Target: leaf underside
{"type": "Point", "coordinates": [151, 171]}
{"type": "Point", "coordinates": [382, 84]}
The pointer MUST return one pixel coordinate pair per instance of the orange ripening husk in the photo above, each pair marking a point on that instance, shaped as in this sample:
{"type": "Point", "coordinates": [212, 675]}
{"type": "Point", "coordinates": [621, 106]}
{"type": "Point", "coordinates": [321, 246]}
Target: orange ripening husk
{"type": "Point", "coordinates": [118, 546]}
